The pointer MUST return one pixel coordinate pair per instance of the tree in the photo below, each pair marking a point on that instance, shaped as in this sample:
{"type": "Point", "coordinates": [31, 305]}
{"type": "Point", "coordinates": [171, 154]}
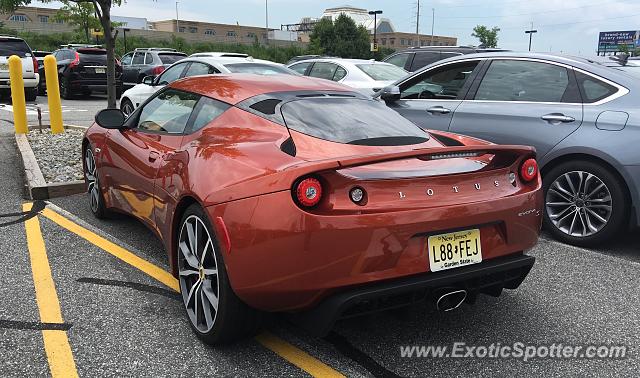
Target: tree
{"type": "Point", "coordinates": [103, 12]}
{"type": "Point", "coordinates": [488, 37]}
{"type": "Point", "coordinates": [341, 38]}
{"type": "Point", "coordinates": [82, 15]}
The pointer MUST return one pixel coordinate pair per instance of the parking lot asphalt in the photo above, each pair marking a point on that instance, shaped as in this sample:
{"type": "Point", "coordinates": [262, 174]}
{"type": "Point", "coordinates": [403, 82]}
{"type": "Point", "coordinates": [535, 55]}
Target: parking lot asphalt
{"type": "Point", "coordinates": [119, 320]}
{"type": "Point", "coordinates": [79, 111]}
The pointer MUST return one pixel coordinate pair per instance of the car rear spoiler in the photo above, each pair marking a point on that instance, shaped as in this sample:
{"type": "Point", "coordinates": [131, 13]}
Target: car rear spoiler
{"type": "Point", "coordinates": [283, 180]}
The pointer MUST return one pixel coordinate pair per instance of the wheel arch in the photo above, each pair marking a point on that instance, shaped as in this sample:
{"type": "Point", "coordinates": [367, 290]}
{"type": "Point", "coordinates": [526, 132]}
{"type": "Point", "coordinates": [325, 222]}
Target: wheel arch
{"type": "Point", "coordinates": [181, 206]}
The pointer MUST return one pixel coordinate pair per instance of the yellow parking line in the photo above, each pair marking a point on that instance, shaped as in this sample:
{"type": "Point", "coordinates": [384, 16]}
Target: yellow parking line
{"type": "Point", "coordinates": [56, 343]}
{"type": "Point", "coordinates": [295, 356]}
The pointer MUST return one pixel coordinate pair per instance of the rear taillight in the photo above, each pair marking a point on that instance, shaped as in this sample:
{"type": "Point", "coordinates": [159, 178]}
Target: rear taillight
{"type": "Point", "coordinates": [35, 64]}
{"type": "Point", "coordinates": [75, 62]}
{"type": "Point", "coordinates": [157, 70]}
{"type": "Point", "coordinates": [308, 192]}
{"type": "Point", "coordinates": [529, 170]}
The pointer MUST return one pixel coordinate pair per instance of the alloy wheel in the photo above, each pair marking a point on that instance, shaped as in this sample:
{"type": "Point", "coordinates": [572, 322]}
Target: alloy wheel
{"type": "Point", "coordinates": [579, 203]}
{"type": "Point", "coordinates": [93, 187]}
{"type": "Point", "coordinates": [127, 108]}
{"type": "Point", "coordinates": [197, 266]}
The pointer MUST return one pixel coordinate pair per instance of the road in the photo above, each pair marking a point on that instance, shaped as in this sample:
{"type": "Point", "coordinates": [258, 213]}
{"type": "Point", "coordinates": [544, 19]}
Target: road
{"type": "Point", "coordinates": [117, 320]}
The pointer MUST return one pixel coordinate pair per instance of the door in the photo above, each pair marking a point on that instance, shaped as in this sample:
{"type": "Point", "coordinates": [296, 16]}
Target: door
{"type": "Point", "coordinates": [138, 154]}
{"type": "Point", "coordinates": [430, 98]}
{"type": "Point", "coordinates": [126, 69]}
{"type": "Point", "coordinates": [527, 102]}
{"type": "Point", "coordinates": [137, 63]}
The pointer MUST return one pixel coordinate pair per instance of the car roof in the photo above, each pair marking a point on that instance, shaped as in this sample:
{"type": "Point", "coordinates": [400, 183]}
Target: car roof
{"type": "Point", "coordinates": [228, 60]}
{"type": "Point", "coordinates": [234, 88]}
{"type": "Point", "coordinates": [341, 60]}
{"type": "Point", "coordinates": [8, 37]}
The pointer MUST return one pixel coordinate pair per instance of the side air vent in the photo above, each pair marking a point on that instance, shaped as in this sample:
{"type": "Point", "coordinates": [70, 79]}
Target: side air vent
{"type": "Point", "coordinates": [288, 147]}
{"type": "Point", "coordinates": [267, 106]}
{"type": "Point", "coordinates": [449, 142]}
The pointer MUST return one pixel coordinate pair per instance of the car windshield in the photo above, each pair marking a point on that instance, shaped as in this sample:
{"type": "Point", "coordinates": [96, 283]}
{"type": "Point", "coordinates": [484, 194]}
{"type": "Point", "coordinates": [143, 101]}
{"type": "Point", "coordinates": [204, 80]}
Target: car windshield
{"type": "Point", "coordinates": [382, 72]}
{"type": "Point", "coordinates": [351, 121]}
{"type": "Point", "coordinates": [170, 58]}
{"type": "Point", "coordinates": [259, 68]}
{"type": "Point", "coordinates": [17, 47]}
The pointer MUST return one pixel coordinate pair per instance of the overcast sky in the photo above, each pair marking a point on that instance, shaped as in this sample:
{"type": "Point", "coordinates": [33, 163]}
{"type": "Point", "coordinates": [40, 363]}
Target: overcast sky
{"type": "Point", "coordinates": [569, 26]}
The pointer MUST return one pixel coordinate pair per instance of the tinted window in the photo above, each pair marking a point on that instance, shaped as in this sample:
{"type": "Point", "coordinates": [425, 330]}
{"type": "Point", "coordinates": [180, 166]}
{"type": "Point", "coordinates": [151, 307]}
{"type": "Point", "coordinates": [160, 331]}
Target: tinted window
{"type": "Point", "coordinates": [17, 47]}
{"type": "Point", "coordinates": [425, 58]}
{"type": "Point", "coordinates": [197, 68]}
{"type": "Point", "coordinates": [323, 70]}
{"type": "Point", "coordinates": [592, 89]}
{"type": "Point", "coordinates": [440, 83]}
{"type": "Point", "coordinates": [258, 68]}
{"type": "Point", "coordinates": [398, 60]}
{"type": "Point", "coordinates": [91, 56]}
{"type": "Point", "coordinates": [382, 71]}
{"type": "Point", "coordinates": [148, 59]}
{"type": "Point", "coordinates": [340, 74]}
{"type": "Point", "coordinates": [170, 58]}
{"type": "Point", "coordinates": [138, 58]}
{"type": "Point", "coordinates": [171, 74]}
{"type": "Point", "coordinates": [168, 112]}
{"type": "Point", "coordinates": [208, 109]}
{"type": "Point", "coordinates": [350, 120]}
{"type": "Point", "coordinates": [513, 80]}
{"type": "Point", "coordinates": [126, 60]}
{"type": "Point", "coordinates": [300, 67]}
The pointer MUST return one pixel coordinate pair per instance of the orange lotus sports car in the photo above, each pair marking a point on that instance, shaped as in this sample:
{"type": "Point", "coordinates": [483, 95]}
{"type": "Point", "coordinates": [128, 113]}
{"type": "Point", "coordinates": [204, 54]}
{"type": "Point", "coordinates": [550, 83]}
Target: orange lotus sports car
{"type": "Point", "coordinates": [300, 195]}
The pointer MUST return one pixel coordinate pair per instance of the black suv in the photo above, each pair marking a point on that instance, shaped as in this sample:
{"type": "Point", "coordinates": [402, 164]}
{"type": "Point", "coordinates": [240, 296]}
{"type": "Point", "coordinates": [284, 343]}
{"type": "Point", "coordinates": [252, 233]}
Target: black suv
{"type": "Point", "coordinates": [83, 69]}
{"type": "Point", "coordinates": [414, 58]}
{"type": "Point", "coordinates": [147, 62]}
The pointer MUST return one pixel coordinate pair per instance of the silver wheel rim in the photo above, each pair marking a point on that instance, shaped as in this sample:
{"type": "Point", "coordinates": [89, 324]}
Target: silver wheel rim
{"type": "Point", "coordinates": [90, 174]}
{"type": "Point", "coordinates": [127, 109]}
{"type": "Point", "coordinates": [198, 270]}
{"type": "Point", "coordinates": [579, 203]}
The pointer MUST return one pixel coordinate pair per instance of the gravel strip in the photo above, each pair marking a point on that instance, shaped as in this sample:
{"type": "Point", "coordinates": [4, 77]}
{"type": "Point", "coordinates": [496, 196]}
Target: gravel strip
{"type": "Point", "coordinates": [59, 155]}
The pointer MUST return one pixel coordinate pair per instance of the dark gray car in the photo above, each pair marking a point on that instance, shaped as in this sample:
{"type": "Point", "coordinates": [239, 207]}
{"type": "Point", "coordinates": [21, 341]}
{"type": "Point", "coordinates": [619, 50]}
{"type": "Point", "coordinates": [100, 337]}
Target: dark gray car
{"type": "Point", "coordinates": [582, 117]}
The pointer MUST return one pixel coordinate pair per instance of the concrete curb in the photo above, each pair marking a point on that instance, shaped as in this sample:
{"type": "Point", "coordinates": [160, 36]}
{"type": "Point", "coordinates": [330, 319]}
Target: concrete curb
{"type": "Point", "coordinates": [37, 187]}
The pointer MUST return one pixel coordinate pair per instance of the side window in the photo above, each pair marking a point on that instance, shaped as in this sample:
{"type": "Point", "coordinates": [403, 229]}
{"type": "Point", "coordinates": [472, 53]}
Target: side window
{"type": "Point", "coordinates": [172, 73]}
{"type": "Point", "coordinates": [197, 68]}
{"type": "Point", "coordinates": [168, 112]}
{"type": "Point", "coordinates": [301, 68]}
{"type": "Point", "coordinates": [138, 58]}
{"type": "Point", "coordinates": [424, 58]}
{"type": "Point", "coordinates": [323, 70]}
{"type": "Point", "coordinates": [399, 60]}
{"type": "Point", "coordinates": [126, 60]}
{"type": "Point", "coordinates": [516, 80]}
{"type": "Point", "coordinates": [340, 74]}
{"type": "Point", "coordinates": [207, 110]}
{"type": "Point", "coordinates": [439, 83]}
{"type": "Point", "coordinates": [592, 89]}
{"type": "Point", "coordinates": [148, 59]}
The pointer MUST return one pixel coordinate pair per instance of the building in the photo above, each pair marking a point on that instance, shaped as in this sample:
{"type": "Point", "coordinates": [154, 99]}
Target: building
{"type": "Point", "coordinates": [33, 19]}
{"type": "Point", "coordinates": [213, 32]}
{"type": "Point", "coordinates": [401, 40]}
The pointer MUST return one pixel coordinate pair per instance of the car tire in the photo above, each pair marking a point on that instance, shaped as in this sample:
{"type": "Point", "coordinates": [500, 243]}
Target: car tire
{"type": "Point", "coordinates": [65, 89]}
{"type": "Point", "coordinates": [126, 106]}
{"type": "Point", "coordinates": [91, 178]}
{"type": "Point", "coordinates": [204, 280]}
{"type": "Point", "coordinates": [30, 94]}
{"type": "Point", "coordinates": [585, 203]}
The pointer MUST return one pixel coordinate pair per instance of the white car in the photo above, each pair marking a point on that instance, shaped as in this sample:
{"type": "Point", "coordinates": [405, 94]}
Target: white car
{"type": "Point", "coordinates": [17, 46]}
{"type": "Point", "coordinates": [368, 76]}
{"type": "Point", "coordinates": [199, 64]}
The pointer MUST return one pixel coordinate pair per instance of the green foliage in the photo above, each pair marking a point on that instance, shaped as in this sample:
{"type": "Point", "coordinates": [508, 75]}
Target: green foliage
{"type": "Point", "coordinates": [341, 38]}
{"type": "Point", "coordinates": [623, 49]}
{"type": "Point", "coordinates": [488, 37]}
{"type": "Point", "coordinates": [80, 15]}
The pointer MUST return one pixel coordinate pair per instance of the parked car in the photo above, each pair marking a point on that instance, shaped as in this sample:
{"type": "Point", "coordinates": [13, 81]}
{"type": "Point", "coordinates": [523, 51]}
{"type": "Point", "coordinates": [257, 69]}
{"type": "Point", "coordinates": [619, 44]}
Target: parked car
{"type": "Point", "coordinates": [583, 118]}
{"type": "Point", "coordinates": [368, 76]}
{"type": "Point", "coordinates": [302, 195]}
{"type": "Point", "coordinates": [17, 46]}
{"type": "Point", "coordinates": [199, 64]}
{"type": "Point", "coordinates": [306, 57]}
{"type": "Point", "coordinates": [143, 62]}
{"type": "Point", "coordinates": [42, 85]}
{"type": "Point", "coordinates": [82, 70]}
{"type": "Point", "coordinates": [630, 65]}
{"type": "Point", "coordinates": [414, 58]}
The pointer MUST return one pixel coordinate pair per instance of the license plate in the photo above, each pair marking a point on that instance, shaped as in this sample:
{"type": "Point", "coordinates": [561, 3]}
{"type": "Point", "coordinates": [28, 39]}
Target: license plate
{"type": "Point", "coordinates": [4, 67]}
{"type": "Point", "coordinates": [455, 249]}
{"type": "Point", "coordinates": [100, 70]}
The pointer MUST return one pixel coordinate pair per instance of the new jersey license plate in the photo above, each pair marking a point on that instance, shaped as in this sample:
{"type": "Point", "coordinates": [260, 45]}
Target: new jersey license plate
{"type": "Point", "coordinates": [455, 249]}
{"type": "Point", "coordinates": [99, 70]}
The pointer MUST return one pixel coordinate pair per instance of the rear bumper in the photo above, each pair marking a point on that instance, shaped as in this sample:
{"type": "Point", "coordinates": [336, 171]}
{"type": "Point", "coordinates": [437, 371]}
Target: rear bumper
{"type": "Point", "coordinates": [488, 277]}
{"type": "Point", "coordinates": [28, 82]}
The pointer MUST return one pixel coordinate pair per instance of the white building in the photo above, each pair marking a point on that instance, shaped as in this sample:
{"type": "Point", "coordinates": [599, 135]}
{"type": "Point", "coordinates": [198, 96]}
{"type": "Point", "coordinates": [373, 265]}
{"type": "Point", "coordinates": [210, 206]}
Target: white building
{"type": "Point", "coordinates": [131, 22]}
{"type": "Point", "coordinates": [361, 17]}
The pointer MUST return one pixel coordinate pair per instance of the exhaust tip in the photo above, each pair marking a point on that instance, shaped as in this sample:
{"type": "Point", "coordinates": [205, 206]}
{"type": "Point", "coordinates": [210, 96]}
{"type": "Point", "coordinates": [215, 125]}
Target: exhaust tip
{"type": "Point", "coordinates": [451, 300]}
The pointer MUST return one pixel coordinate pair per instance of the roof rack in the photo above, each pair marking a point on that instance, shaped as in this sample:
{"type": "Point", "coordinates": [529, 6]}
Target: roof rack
{"type": "Point", "coordinates": [80, 45]}
{"type": "Point", "coordinates": [220, 55]}
{"type": "Point", "coordinates": [155, 49]}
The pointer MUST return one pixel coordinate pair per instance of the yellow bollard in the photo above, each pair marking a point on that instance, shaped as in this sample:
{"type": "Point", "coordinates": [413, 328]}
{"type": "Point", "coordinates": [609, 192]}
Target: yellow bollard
{"type": "Point", "coordinates": [18, 101]}
{"type": "Point", "coordinates": [53, 94]}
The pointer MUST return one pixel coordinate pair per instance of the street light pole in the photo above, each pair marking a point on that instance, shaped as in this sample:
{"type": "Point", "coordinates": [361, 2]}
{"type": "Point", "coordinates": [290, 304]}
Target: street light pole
{"type": "Point", "coordinates": [375, 25]}
{"type": "Point", "coordinates": [530, 32]}
{"type": "Point", "coordinates": [177, 19]}
{"type": "Point", "coordinates": [266, 20]}
{"type": "Point", "coordinates": [433, 21]}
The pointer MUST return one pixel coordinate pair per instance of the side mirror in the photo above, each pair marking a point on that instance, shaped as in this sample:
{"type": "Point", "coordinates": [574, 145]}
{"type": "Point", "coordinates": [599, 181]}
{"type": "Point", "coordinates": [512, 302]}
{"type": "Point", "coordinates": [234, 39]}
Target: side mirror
{"type": "Point", "coordinates": [390, 93]}
{"type": "Point", "coordinates": [148, 80]}
{"type": "Point", "coordinates": [111, 118]}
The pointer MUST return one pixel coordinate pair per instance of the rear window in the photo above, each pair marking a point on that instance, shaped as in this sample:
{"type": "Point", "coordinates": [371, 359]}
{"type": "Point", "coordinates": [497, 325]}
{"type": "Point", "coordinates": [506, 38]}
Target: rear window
{"type": "Point", "coordinates": [170, 58]}
{"type": "Point", "coordinates": [258, 68]}
{"type": "Point", "coordinates": [382, 72]}
{"type": "Point", "coordinates": [351, 121]}
{"type": "Point", "coordinates": [17, 47]}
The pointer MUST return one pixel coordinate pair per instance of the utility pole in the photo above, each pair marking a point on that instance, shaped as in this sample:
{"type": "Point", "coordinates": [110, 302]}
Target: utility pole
{"type": "Point", "coordinates": [530, 32]}
{"type": "Point", "coordinates": [418, 21]}
{"type": "Point", "coordinates": [266, 20]}
{"type": "Point", "coordinates": [177, 19]}
{"type": "Point", "coordinates": [375, 27]}
{"type": "Point", "coordinates": [433, 21]}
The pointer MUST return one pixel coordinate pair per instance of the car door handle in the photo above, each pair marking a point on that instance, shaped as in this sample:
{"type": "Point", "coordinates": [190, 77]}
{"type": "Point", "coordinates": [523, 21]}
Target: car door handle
{"type": "Point", "coordinates": [557, 117]}
{"type": "Point", "coordinates": [153, 156]}
{"type": "Point", "coordinates": [439, 110]}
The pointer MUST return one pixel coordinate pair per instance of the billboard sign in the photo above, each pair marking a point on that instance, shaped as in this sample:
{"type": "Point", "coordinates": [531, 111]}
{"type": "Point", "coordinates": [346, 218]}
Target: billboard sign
{"type": "Point", "coordinates": [610, 41]}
